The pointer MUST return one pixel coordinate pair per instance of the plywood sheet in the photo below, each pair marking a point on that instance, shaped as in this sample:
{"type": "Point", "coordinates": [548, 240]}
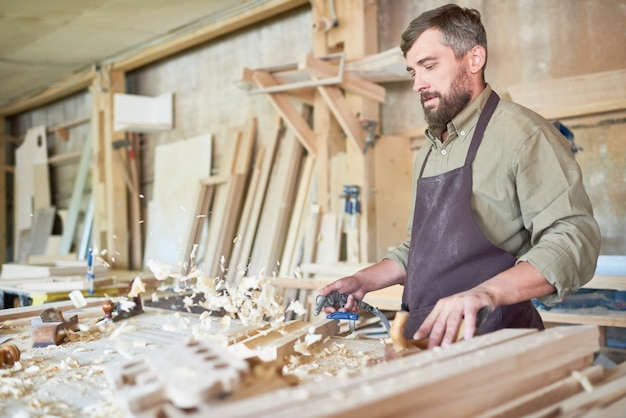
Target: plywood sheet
{"type": "Point", "coordinates": [32, 153]}
{"type": "Point", "coordinates": [178, 167]}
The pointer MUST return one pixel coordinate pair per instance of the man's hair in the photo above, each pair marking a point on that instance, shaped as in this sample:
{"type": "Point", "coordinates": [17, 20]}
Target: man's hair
{"type": "Point", "coordinates": [461, 29]}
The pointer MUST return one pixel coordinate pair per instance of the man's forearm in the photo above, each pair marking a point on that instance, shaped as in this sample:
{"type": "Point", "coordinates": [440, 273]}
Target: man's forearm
{"type": "Point", "coordinates": [380, 275]}
{"type": "Point", "coordinates": [517, 284]}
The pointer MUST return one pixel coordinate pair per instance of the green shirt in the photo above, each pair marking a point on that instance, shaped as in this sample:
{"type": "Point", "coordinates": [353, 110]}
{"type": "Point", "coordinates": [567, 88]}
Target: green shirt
{"type": "Point", "coordinates": [528, 195]}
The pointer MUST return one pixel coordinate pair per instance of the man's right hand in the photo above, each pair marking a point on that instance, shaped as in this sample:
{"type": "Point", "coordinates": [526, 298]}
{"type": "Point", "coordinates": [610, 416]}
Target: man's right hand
{"type": "Point", "coordinates": [377, 276]}
{"type": "Point", "coordinates": [348, 286]}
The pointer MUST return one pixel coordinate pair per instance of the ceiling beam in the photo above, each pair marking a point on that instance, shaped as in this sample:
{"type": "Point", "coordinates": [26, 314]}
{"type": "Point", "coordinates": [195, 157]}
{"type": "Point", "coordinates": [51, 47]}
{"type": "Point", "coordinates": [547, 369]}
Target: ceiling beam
{"type": "Point", "coordinates": [206, 33]}
{"type": "Point", "coordinates": [76, 83]}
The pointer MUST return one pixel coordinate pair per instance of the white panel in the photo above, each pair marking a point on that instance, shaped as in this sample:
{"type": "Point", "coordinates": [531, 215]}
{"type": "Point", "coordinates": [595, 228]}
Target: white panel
{"type": "Point", "coordinates": [177, 168]}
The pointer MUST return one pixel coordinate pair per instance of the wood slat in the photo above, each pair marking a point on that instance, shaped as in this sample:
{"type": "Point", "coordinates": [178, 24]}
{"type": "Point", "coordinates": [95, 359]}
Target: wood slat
{"type": "Point", "coordinates": [318, 68]}
{"type": "Point", "coordinates": [573, 96]}
{"type": "Point", "coordinates": [466, 378]}
{"type": "Point", "coordinates": [288, 112]}
{"type": "Point", "coordinates": [246, 231]}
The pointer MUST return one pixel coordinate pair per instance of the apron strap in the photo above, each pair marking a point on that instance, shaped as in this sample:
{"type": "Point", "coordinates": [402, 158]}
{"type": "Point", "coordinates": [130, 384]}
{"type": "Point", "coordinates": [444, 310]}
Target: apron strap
{"type": "Point", "coordinates": [483, 120]}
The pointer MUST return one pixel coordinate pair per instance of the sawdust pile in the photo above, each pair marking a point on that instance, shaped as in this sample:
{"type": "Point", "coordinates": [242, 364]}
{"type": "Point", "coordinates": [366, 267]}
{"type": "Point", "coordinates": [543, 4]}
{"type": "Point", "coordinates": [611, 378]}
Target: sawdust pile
{"type": "Point", "coordinates": [328, 360]}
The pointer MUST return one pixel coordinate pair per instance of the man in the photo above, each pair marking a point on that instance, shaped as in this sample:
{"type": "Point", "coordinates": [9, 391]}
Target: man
{"type": "Point", "coordinates": [500, 213]}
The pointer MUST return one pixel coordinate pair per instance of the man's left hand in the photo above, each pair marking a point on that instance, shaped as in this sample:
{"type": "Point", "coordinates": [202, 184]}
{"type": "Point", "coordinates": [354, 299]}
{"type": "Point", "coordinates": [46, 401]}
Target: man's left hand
{"type": "Point", "coordinates": [443, 323]}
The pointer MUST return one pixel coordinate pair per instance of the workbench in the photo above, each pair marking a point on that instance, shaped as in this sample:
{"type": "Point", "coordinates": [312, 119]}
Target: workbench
{"type": "Point", "coordinates": [39, 290]}
{"type": "Point", "coordinates": [69, 380]}
{"type": "Point", "coordinates": [506, 373]}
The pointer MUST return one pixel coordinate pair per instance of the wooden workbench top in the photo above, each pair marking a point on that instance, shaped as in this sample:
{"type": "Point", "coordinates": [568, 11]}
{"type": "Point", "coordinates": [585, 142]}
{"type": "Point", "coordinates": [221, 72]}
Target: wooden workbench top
{"type": "Point", "coordinates": [70, 379]}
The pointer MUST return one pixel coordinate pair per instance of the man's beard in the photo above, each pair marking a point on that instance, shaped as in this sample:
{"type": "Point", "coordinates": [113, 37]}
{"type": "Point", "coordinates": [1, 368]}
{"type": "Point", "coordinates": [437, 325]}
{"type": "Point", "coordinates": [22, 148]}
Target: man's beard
{"type": "Point", "coordinates": [449, 106]}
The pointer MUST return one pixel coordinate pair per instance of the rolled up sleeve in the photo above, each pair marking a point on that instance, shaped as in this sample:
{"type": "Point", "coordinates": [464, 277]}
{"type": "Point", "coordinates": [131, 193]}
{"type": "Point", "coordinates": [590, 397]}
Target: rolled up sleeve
{"type": "Point", "coordinates": [564, 236]}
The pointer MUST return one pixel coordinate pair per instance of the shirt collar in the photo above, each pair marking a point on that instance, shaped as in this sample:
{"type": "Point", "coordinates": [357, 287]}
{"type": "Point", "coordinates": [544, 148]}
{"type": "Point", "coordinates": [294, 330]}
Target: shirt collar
{"type": "Point", "coordinates": [462, 123]}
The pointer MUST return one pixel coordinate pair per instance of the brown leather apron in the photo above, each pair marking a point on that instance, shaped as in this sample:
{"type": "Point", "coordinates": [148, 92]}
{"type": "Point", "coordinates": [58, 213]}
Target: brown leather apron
{"type": "Point", "coordinates": [449, 253]}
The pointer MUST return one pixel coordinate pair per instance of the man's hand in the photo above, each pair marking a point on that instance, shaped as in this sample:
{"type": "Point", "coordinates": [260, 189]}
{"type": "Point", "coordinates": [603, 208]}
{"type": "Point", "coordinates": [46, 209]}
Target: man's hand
{"type": "Point", "coordinates": [382, 274]}
{"type": "Point", "coordinates": [443, 323]}
{"type": "Point", "coordinates": [349, 286]}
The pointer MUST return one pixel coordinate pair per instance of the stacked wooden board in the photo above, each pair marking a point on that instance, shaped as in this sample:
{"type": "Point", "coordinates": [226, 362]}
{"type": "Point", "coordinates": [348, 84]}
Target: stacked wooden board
{"type": "Point", "coordinates": [507, 373]}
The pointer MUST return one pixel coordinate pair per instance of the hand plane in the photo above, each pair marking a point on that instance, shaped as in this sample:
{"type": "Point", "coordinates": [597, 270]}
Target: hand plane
{"type": "Point", "coordinates": [50, 328]}
{"type": "Point", "coordinates": [339, 300]}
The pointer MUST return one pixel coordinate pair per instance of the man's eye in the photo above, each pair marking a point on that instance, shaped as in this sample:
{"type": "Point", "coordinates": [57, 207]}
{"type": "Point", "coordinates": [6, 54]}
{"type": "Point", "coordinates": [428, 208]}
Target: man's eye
{"type": "Point", "coordinates": [429, 67]}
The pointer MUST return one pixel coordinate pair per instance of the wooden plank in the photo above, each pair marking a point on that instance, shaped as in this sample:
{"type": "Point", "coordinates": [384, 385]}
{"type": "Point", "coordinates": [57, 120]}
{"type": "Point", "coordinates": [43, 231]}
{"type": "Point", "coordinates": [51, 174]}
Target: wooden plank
{"type": "Point", "coordinates": [351, 83]}
{"type": "Point", "coordinates": [246, 215]}
{"type": "Point", "coordinates": [80, 181]}
{"type": "Point", "coordinates": [600, 396]}
{"type": "Point", "coordinates": [169, 212]}
{"type": "Point", "coordinates": [254, 201]}
{"type": "Point", "coordinates": [347, 119]}
{"type": "Point", "coordinates": [393, 175]}
{"type": "Point", "coordinates": [205, 194]}
{"type": "Point", "coordinates": [110, 230]}
{"type": "Point", "coordinates": [41, 231]}
{"type": "Point", "coordinates": [62, 130]}
{"type": "Point", "coordinates": [288, 112]}
{"type": "Point", "coordinates": [33, 311]}
{"type": "Point", "coordinates": [219, 208]}
{"type": "Point", "coordinates": [234, 191]}
{"type": "Point", "coordinates": [464, 379]}
{"type": "Point", "coordinates": [277, 344]}
{"type": "Point", "coordinates": [601, 281]}
{"type": "Point", "coordinates": [385, 66]}
{"type": "Point", "coordinates": [32, 152]}
{"type": "Point", "coordinates": [573, 96]}
{"type": "Point", "coordinates": [304, 95]}
{"type": "Point", "coordinates": [294, 240]}
{"type": "Point", "coordinates": [602, 317]}
{"type": "Point", "coordinates": [546, 395]}
{"type": "Point", "coordinates": [277, 206]}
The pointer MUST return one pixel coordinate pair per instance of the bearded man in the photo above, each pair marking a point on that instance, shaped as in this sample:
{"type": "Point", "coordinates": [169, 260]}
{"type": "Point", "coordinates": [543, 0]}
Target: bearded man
{"type": "Point", "coordinates": [500, 214]}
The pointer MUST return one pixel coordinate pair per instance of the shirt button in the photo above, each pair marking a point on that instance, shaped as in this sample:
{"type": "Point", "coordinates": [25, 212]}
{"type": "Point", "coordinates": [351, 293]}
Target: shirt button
{"type": "Point", "coordinates": [462, 133]}
{"type": "Point", "coordinates": [444, 152]}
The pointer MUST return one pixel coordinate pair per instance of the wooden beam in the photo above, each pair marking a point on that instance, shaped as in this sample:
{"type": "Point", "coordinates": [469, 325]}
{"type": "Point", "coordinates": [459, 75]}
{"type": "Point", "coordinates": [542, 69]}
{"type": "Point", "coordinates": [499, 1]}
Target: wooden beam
{"type": "Point", "coordinates": [206, 33]}
{"type": "Point", "coordinates": [605, 318]}
{"type": "Point", "coordinates": [574, 96]}
{"type": "Point", "coordinates": [63, 88]}
{"type": "Point", "coordinates": [292, 117]}
{"type": "Point", "coordinates": [385, 66]}
{"type": "Point", "coordinates": [351, 83]}
{"type": "Point", "coordinates": [341, 110]}
{"type": "Point", "coordinates": [600, 281]}
{"type": "Point", "coordinates": [110, 231]}
{"type": "Point", "coordinates": [3, 193]}
{"type": "Point", "coordinates": [304, 95]}
{"type": "Point", "coordinates": [62, 131]}
{"type": "Point", "coordinates": [212, 30]}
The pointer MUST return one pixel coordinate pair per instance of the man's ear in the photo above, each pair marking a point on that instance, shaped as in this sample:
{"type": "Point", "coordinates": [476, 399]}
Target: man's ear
{"type": "Point", "coordinates": [477, 59]}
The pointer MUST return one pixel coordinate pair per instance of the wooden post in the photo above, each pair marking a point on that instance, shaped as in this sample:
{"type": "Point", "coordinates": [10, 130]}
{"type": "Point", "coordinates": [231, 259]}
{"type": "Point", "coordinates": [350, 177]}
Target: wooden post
{"type": "Point", "coordinates": [110, 232]}
{"type": "Point", "coordinates": [356, 33]}
{"type": "Point", "coordinates": [3, 196]}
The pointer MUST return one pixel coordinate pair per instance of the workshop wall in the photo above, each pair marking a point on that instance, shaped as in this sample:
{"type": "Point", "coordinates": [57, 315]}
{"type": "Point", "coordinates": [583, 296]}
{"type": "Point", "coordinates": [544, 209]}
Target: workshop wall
{"type": "Point", "coordinates": [209, 94]}
{"type": "Point", "coordinates": [529, 40]}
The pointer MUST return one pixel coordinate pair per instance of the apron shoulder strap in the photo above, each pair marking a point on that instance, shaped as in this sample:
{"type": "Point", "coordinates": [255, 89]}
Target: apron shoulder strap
{"type": "Point", "coordinates": [483, 120]}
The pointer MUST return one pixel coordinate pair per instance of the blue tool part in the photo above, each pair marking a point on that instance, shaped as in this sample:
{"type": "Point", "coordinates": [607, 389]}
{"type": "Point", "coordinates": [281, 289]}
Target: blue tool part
{"type": "Point", "coordinates": [353, 316]}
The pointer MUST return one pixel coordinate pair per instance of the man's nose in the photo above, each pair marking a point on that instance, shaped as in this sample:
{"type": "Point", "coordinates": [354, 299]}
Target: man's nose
{"type": "Point", "coordinates": [419, 84]}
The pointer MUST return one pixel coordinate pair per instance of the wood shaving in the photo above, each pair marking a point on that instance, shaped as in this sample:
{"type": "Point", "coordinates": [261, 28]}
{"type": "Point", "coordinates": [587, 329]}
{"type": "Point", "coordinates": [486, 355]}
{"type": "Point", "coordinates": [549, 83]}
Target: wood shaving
{"type": "Point", "coordinates": [296, 307]}
{"type": "Point", "coordinates": [137, 287]}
